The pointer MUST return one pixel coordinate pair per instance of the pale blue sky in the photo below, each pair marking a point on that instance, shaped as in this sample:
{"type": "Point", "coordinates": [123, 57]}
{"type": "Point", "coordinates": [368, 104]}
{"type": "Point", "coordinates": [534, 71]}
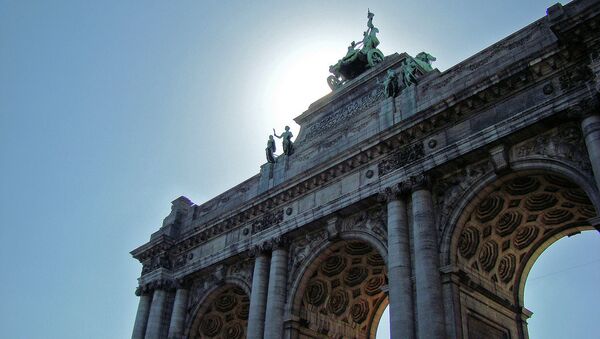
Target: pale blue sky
{"type": "Point", "coordinates": [111, 109]}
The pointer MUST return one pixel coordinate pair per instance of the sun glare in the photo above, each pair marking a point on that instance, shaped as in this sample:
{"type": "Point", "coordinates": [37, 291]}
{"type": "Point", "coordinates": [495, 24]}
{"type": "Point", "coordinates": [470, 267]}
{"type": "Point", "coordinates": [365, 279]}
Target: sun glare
{"type": "Point", "coordinates": [296, 80]}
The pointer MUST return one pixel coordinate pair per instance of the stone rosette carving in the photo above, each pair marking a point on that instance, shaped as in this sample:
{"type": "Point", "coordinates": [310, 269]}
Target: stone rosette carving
{"type": "Point", "coordinates": [347, 287]}
{"type": "Point", "coordinates": [506, 226]}
{"type": "Point", "coordinates": [225, 316]}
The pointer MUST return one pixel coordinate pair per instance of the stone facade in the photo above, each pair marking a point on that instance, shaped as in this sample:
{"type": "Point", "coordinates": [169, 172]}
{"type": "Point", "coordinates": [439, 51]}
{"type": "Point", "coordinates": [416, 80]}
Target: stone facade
{"type": "Point", "coordinates": [436, 202]}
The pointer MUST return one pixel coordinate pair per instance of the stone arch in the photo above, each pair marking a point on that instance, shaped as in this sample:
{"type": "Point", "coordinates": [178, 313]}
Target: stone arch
{"type": "Point", "coordinates": [507, 222]}
{"type": "Point", "coordinates": [341, 292]}
{"type": "Point", "coordinates": [466, 202]}
{"type": "Point", "coordinates": [222, 312]}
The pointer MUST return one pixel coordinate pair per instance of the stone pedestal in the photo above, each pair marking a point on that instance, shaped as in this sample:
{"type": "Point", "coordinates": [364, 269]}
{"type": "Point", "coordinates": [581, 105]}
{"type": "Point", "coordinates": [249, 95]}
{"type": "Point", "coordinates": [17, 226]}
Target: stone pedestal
{"type": "Point", "coordinates": [141, 317]}
{"type": "Point", "coordinates": [258, 297]}
{"type": "Point", "coordinates": [430, 321]}
{"type": "Point", "coordinates": [276, 294]}
{"type": "Point", "coordinates": [399, 271]}
{"type": "Point", "coordinates": [178, 315]}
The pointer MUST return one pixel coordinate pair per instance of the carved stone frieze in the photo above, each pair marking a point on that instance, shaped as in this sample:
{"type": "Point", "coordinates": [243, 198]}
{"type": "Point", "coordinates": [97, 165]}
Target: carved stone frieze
{"type": "Point", "coordinates": [449, 189]}
{"type": "Point", "coordinates": [301, 248]}
{"type": "Point", "coordinates": [343, 114]}
{"type": "Point", "coordinates": [161, 260]}
{"type": "Point", "coordinates": [372, 220]}
{"type": "Point", "coordinates": [574, 76]}
{"type": "Point", "coordinates": [400, 158]}
{"type": "Point", "coordinates": [267, 221]}
{"type": "Point", "coordinates": [564, 143]}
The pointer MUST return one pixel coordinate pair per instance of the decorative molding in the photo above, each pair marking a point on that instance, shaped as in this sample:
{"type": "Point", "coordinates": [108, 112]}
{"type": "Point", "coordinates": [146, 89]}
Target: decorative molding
{"type": "Point", "coordinates": [449, 189]}
{"type": "Point", "coordinates": [401, 158]}
{"type": "Point", "coordinates": [420, 182]}
{"type": "Point", "coordinates": [574, 76]}
{"type": "Point", "coordinates": [343, 114]}
{"type": "Point", "coordinates": [268, 220]}
{"type": "Point", "coordinates": [563, 143]}
{"type": "Point", "coordinates": [398, 191]}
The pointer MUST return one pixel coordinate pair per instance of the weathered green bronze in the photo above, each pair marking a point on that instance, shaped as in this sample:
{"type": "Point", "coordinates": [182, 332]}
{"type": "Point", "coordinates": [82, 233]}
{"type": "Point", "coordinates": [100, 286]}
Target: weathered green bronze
{"type": "Point", "coordinates": [412, 67]}
{"type": "Point", "coordinates": [357, 59]}
{"type": "Point", "coordinates": [390, 84]}
{"type": "Point", "coordinates": [270, 150]}
{"type": "Point", "coordinates": [288, 145]}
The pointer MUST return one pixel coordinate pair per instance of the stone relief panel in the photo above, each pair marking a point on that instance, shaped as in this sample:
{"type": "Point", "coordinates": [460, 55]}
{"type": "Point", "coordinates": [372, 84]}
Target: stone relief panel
{"type": "Point", "coordinates": [450, 189]}
{"type": "Point", "coordinates": [345, 291]}
{"type": "Point", "coordinates": [504, 228]}
{"type": "Point", "coordinates": [564, 143]}
{"type": "Point", "coordinates": [302, 248]}
{"type": "Point", "coordinates": [342, 115]}
{"type": "Point", "coordinates": [225, 317]}
{"type": "Point", "coordinates": [401, 158]}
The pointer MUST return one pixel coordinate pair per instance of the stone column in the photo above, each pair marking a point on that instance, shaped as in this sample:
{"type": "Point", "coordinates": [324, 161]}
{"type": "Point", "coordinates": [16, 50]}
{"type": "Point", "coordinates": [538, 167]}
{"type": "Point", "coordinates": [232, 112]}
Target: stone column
{"type": "Point", "coordinates": [591, 133]}
{"type": "Point", "coordinates": [430, 312]}
{"type": "Point", "coordinates": [156, 319]}
{"type": "Point", "coordinates": [399, 265]}
{"type": "Point", "coordinates": [178, 314]}
{"type": "Point", "coordinates": [258, 295]}
{"type": "Point", "coordinates": [277, 289]}
{"type": "Point", "coordinates": [141, 317]}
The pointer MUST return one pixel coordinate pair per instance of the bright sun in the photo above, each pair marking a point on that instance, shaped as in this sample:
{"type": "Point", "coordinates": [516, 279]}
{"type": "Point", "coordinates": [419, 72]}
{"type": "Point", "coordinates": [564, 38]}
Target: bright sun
{"type": "Point", "coordinates": [298, 79]}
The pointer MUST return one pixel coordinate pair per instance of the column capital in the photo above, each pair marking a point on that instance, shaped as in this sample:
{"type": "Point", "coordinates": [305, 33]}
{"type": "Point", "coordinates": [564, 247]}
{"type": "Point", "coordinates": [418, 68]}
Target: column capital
{"type": "Point", "coordinates": [142, 290]}
{"type": "Point", "coordinates": [420, 181]}
{"type": "Point", "coordinates": [263, 248]}
{"type": "Point", "coordinates": [585, 108]}
{"type": "Point", "coordinates": [589, 126]}
{"type": "Point", "coordinates": [181, 283]}
{"type": "Point", "coordinates": [394, 192]}
{"type": "Point", "coordinates": [280, 242]}
{"type": "Point", "coordinates": [160, 284]}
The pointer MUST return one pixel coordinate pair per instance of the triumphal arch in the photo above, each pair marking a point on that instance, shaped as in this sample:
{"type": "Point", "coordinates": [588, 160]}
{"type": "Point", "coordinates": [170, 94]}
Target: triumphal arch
{"type": "Point", "coordinates": [431, 192]}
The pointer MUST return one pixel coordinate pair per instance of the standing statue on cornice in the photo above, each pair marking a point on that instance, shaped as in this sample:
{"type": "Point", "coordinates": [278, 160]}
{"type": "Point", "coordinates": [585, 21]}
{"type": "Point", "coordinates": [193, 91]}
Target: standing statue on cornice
{"type": "Point", "coordinates": [288, 145]}
{"type": "Point", "coordinates": [270, 150]}
{"type": "Point", "coordinates": [390, 84]}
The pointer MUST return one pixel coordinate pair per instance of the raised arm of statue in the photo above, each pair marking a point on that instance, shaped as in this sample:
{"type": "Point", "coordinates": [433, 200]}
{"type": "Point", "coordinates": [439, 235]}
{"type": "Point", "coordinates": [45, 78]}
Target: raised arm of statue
{"type": "Point", "coordinates": [370, 17]}
{"type": "Point", "coordinates": [275, 134]}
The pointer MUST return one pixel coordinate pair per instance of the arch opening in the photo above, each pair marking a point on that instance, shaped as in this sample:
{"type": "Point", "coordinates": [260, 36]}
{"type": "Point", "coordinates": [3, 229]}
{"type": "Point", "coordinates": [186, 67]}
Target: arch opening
{"type": "Point", "coordinates": [561, 288]}
{"type": "Point", "coordinates": [344, 293]}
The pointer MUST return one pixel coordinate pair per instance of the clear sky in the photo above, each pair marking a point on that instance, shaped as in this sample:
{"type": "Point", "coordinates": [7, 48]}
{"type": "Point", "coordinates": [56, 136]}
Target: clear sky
{"type": "Point", "coordinates": [111, 109]}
